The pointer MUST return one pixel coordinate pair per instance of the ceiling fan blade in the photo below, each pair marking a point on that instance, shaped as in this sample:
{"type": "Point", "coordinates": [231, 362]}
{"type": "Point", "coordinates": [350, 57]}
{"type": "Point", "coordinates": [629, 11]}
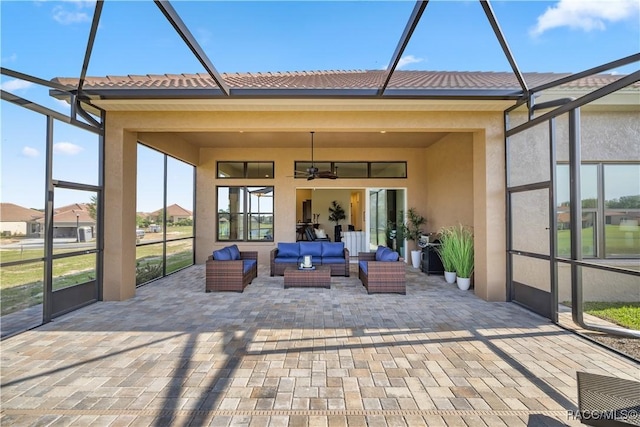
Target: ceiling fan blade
{"type": "Point", "coordinates": [311, 177]}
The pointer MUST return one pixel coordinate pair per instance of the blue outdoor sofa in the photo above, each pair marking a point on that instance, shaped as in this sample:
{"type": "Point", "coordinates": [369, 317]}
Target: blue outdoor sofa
{"type": "Point", "coordinates": [333, 254]}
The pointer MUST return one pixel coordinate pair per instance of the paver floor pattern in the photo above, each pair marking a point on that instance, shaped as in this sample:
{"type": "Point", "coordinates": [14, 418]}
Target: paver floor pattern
{"type": "Point", "coordinates": [175, 355]}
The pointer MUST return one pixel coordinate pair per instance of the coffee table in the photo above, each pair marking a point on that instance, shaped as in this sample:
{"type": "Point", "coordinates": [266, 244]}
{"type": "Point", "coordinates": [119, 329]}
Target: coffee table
{"type": "Point", "coordinates": [320, 277]}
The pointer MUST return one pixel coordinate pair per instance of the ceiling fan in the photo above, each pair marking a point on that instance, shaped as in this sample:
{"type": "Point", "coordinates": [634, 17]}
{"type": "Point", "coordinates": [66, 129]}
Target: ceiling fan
{"type": "Point", "coordinates": [313, 172]}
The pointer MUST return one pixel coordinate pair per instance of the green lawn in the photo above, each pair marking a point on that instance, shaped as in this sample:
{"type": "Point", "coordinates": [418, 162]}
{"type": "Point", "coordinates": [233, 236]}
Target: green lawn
{"type": "Point", "coordinates": [21, 286]}
{"type": "Point", "coordinates": [617, 242]}
{"type": "Point", "coordinates": [625, 314]}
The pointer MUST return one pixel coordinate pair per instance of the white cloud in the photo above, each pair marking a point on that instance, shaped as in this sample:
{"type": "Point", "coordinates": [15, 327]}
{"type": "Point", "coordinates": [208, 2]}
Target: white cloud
{"type": "Point", "coordinates": [204, 36]}
{"type": "Point", "coordinates": [408, 59]}
{"type": "Point", "coordinates": [30, 152]}
{"type": "Point", "coordinates": [15, 84]}
{"type": "Point", "coordinates": [66, 17]}
{"type": "Point", "coordinates": [9, 59]}
{"type": "Point", "coordinates": [63, 104]}
{"type": "Point", "coordinates": [586, 15]}
{"type": "Point", "coordinates": [66, 148]}
{"type": "Point", "coordinates": [62, 15]}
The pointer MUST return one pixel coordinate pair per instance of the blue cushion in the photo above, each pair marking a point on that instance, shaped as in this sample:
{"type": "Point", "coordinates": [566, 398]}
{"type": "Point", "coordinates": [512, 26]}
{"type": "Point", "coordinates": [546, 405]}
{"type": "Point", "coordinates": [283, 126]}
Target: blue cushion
{"type": "Point", "coordinates": [288, 250]}
{"type": "Point", "coordinates": [315, 260]}
{"type": "Point", "coordinates": [223, 254]}
{"type": "Point", "coordinates": [235, 252]}
{"type": "Point", "coordinates": [333, 260]}
{"type": "Point", "coordinates": [389, 255]}
{"type": "Point", "coordinates": [363, 266]}
{"type": "Point", "coordinates": [311, 248]}
{"type": "Point", "coordinates": [379, 252]}
{"type": "Point", "coordinates": [248, 264]}
{"type": "Point", "coordinates": [332, 249]}
{"type": "Point", "coordinates": [286, 260]}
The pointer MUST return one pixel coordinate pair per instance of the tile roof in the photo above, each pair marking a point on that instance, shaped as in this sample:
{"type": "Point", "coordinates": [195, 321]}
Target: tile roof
{"type": "Point", "coordinates": [352, 79]}
{"type": "Point", "coordinates": [173, 210]}
{"type": "Point", "coordinates": [10, 212]}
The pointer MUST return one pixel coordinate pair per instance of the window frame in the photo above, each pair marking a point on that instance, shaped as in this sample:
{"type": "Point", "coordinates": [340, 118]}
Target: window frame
{"type": "Point", "coordinates": [599, 212]}
{"type": "Point", "coordinates": [245, 213]}
{"type": "Point", "coordinates": [245, 169]}
{"type": "Point", "coordinates": [302, 165]}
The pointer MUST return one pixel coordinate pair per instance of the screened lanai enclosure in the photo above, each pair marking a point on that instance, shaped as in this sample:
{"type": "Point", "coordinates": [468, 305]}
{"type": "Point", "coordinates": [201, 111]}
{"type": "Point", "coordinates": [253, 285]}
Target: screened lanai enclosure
{"type": "Point", "coordinates": [125, 170]}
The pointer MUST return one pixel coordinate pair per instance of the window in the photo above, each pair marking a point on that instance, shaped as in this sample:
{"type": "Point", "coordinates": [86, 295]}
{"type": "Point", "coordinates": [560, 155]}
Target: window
{"type": "Point", "coordinates": [610, 210]}
{"type": "Point", "coordinates": [355, 169]}
{"type": "Point", "coordinates": [388, 169]}
{"type": "Point", "coordinates": [164, 220]}
{"type": "Point", "coordinates": [622, 210]}
{"type": "Point", "coordinates": [245, 213]}
{"type": "Point", "coordinates": [245, 170]}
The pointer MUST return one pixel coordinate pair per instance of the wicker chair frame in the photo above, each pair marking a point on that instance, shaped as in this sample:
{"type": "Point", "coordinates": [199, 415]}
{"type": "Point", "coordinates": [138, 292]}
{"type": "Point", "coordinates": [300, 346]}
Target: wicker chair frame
{"type": "Point", "coordinates": [382, 276]}
{"type": "Point", "coordinates": [229, 275]}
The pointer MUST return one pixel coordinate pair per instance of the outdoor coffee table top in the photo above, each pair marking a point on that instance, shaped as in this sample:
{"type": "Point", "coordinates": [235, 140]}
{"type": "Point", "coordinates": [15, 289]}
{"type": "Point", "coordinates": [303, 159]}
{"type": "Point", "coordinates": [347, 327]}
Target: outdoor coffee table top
{"type": "Point", "coordinates": [306, 278]}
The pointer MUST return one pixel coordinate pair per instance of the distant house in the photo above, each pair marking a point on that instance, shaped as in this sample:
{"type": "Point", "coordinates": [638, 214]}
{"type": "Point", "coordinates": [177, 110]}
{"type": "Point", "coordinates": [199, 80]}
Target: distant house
{"type": "Point", "coordinates": [68, 219]}
{"type": "Point", "coordinates": [19, 221]}
{"type": "Point", "coordinates": [175, 213]}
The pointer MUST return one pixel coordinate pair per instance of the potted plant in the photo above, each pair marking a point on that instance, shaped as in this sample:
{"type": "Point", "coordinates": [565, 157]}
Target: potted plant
{"type": "Point", "coordinates": [336, 214]}
{"type": "Point", "coordinates": [446, 252]}
{"type": "Point", "coordinates": [463, 255]}
{"type": "Point", "coordinates": [412, 230]}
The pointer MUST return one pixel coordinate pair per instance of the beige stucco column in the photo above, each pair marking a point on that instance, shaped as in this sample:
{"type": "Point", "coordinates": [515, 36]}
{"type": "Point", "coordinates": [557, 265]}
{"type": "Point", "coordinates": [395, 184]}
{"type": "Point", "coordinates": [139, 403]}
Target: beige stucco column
{"type": "Point", "coordinates": [205, 208]}
{"type": "Point", "coordinates": [120, 159]}
{"type": "Point", "coordinates": [489, 212]}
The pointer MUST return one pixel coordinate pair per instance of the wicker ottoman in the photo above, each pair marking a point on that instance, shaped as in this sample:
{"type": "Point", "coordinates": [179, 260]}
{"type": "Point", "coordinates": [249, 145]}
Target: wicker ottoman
{"type": "Point", "coordinates": [318, 278]}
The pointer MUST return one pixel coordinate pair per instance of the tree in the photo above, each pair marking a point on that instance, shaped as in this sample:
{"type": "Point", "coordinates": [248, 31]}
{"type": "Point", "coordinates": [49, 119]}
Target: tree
{"type": "Point", "coordinates": [92, 207]}
{"type": "Point", "coordinates": [336, 213]}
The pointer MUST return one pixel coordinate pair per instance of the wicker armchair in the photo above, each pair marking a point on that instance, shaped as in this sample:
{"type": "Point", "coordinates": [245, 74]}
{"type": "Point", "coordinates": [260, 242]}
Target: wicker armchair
{"type": "Point", "coordinates": [230, 275]}
{"type": "Point", "coordinates": [382, 276]}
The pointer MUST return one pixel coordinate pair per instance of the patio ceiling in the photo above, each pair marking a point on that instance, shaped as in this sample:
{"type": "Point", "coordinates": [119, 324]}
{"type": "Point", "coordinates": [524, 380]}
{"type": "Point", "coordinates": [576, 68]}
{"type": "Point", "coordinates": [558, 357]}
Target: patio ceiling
{"type": "Point", "coordinates": [301, 139]}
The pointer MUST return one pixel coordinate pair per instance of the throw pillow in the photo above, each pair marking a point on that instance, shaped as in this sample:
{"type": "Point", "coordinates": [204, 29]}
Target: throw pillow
{"type": "Point", "coordinates": [223, 254]}
{"type": "Point", "coordinates": [320, 234]}
{"type": "Point", "coordinates": [379, 252]}
{"type": "Point", "coordinates": [389, 255]}
{"type": "Point", "coordinates": [234, 251]}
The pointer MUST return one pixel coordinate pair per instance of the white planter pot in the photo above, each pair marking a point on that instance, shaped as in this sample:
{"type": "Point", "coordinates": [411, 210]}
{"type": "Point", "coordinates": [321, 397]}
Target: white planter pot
{"type": "Point", "coordinates": [463, 283]}
{"type": "Point", "coordinates": [415, 258]}
{"type": "Point", "coordinates": [450, 276]}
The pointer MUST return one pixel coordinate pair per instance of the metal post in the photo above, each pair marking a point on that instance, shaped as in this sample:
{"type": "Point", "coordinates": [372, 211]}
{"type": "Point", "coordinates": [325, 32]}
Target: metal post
{"type": "Point", "coordinates": [77, 227]}
{"type": "Point", "coordinates": [575, 200]}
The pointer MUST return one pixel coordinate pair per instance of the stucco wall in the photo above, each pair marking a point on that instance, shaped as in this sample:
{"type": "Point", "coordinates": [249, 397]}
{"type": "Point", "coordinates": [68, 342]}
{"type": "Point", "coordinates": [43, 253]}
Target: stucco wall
{"type": "Point", "coordinates": [449, 182]}
{"type": "Point", "coordinates": [485, 177]}
{"type": "Point", "coordinates": [604, 136]}
{"type": "Point", "coordinates": [600, 285]}
{"type": "Point", "coordinates": [285, 189]}
{"type": "Point", "coordinates": [15, 228]}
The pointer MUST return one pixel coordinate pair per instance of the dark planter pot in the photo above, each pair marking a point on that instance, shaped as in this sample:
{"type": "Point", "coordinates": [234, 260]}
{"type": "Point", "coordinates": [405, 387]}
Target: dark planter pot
{"type": "Point", "coordinates": [337, 230]}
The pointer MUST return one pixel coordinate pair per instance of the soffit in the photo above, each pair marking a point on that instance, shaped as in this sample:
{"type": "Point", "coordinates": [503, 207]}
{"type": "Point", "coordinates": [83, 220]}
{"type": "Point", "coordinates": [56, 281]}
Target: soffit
{"type": "Point", "coordinates": [259, 140]}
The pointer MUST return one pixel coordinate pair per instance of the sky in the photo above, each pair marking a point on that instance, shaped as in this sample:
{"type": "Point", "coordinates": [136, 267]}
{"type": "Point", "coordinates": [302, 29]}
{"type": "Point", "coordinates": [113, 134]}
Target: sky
{"type": "Point", "coordinates": [47, 39]}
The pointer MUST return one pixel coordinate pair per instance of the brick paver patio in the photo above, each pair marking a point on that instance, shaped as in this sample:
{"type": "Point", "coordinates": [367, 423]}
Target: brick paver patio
{"type": "Point", "coordinates": [175, 355]}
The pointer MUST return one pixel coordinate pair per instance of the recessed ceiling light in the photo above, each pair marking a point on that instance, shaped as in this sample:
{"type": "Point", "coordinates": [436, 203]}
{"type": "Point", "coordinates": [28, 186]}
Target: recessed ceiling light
{"type": "Point", "coordinates": [383, 131]}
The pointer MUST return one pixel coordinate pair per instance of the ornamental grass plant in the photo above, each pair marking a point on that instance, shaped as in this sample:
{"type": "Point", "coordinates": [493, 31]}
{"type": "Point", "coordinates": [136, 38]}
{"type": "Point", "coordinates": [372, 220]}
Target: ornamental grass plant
{"type": "Point", "coordinates": [445, 249]}
{"type": "Point", "coordinates": [456, 250]}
